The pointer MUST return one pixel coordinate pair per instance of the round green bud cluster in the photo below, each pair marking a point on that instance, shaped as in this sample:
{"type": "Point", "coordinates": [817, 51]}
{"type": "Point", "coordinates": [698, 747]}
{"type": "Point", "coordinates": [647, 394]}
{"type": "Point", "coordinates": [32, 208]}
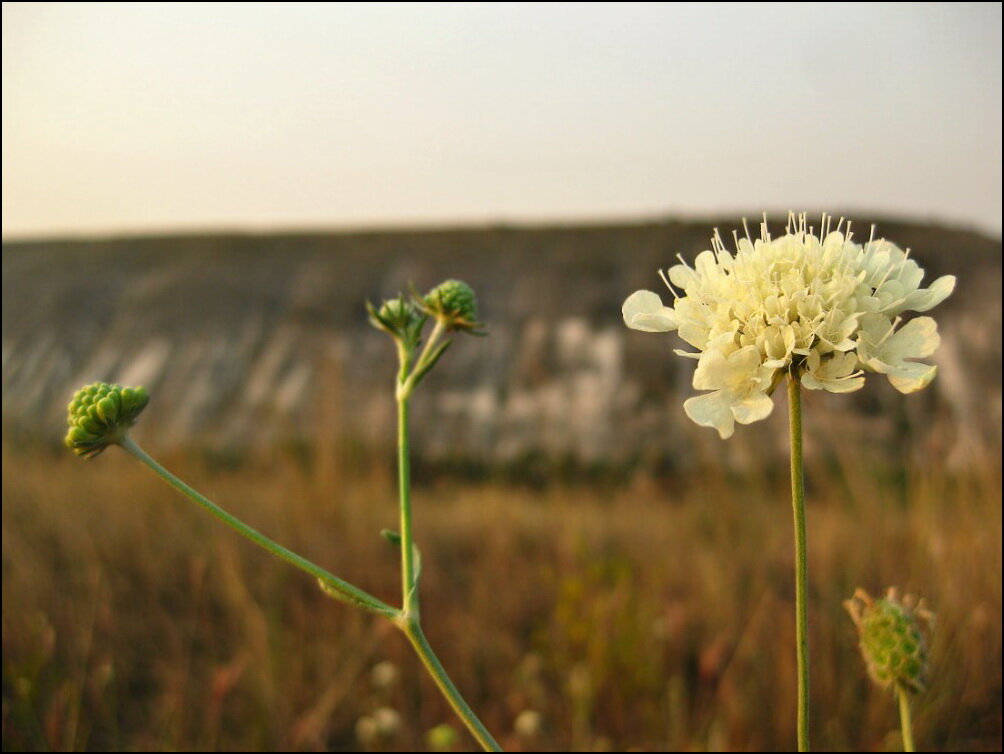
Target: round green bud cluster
{"type": "Point", "coordinates": [453, 302]}
{"type": "Point", "coordinates": [100, 414]}
{"type": "Point", "coordinates": [398, 313]}
{"type": "Point", "coordinates": [399, 318]}
{"type": "Point", "coordinates": [893, 638]}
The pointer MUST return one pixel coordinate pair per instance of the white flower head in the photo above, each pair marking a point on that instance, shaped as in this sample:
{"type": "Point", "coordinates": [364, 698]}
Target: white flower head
{"type": "Point", "coordinates": [820, 308]}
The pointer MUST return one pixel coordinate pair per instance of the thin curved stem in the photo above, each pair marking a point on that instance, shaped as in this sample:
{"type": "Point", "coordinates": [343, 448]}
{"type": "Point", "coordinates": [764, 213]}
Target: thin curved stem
{"type": "Point", "coordinates": [332, 585]}
{"type": "Point", "coordinates": [801, 568]}
{"type": "Point", "coordinates": [406, 619]}
{"type": "Point", "coordinates": [904, 718]}
{"type": "Point", "coordinates": [414, 632]}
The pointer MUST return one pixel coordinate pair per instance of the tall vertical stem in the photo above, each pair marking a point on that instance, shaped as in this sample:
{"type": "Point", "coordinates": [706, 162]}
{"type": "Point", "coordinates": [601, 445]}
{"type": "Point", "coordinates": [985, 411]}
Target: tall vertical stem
{"type": "Point", "coordinates": [408, 586]}
{"type": "Point", "coordinates": [409, 619]}
{"type": "Point", "coordinates": [904, 718]}
{"type": "Point", "coordinates": [801, 568]}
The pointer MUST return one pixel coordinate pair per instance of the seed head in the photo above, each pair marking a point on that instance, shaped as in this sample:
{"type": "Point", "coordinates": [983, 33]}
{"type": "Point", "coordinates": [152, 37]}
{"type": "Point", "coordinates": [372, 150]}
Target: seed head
{"type": "Point", "coordinates": [894, 637]}
{"type": "Point", "coordinates": [454, 304]}
{"type": "Point", "coordinates": [100, 415]}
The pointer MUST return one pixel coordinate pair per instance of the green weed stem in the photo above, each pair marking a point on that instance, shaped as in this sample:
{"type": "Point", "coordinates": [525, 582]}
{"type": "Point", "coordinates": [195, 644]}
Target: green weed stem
{"type": "Point", "coordinates": [333, 585]}
{"type": "Point", "coordinates": [801, 568]}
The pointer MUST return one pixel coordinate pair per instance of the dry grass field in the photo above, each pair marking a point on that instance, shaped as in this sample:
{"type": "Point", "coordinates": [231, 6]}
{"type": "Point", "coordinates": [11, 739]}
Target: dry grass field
{"type": "Point", "coordinates": [650, 614]}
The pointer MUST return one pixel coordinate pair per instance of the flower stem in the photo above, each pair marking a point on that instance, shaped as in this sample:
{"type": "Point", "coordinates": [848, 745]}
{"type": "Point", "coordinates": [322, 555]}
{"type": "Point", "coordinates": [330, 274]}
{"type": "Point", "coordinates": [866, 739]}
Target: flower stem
{"type": "Point", "coordinates": [409, 586]}
{"type": "Point", "coordinates": [801, 569]}
{"type": "Point", "coordinates": [409, 620]}
{"type": "Point", "coordinates": [413, 630]}
{"type": "Point", "coordinates": [333, 585]}
{"type": "Point", "coordinates": [904, 718]}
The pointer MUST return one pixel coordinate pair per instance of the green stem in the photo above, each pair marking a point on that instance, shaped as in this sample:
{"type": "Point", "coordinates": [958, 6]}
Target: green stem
{"type": "Point", "coordinates": [332, 584]}
{"type": "Point", "coordinates": [413, 631]}
{"type": "Point", "coordinates": [798, 510]}
{"type": "Point", "coordinates": [409, 586]}
{"type": "Point", "coordinates": [904, 718]}
{"type": "Point", "coordinates": [409, 377]}
{"type": "Point", "coordinates": [409, 617]}
{"type": "Point", "coordinates": [437, 332]}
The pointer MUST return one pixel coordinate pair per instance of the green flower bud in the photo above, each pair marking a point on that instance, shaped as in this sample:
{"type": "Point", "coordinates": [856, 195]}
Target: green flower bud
{"type": "Point", "coordinates": [893, 638]}
{"type": "Point", "coordinates": [398, 317]}
{"type": "Point", "coordinates": [454, 304]}
{"type": "Point", "coordinates": [398, 312]}
{"type": "Point", "coordinates": [100, 415]}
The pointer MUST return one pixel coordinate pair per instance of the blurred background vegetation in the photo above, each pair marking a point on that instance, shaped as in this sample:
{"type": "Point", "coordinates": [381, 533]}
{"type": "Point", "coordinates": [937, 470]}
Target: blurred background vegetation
{"type": "Point", "coordinates": [600, 574]}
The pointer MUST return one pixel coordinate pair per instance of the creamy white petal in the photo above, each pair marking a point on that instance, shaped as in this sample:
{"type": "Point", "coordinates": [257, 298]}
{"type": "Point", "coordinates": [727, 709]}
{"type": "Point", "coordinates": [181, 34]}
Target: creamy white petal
{"type": "Point", "coordinates": [916, 339]}
{"type": "Point", "coordinates": [926, 299]}
{"type": "Point", "coordinates": [753, 408]}
{"type": "Point", "coordinates": [743, 370]}
{"type": "Point", "coordinates": [912, 376]}
{"type": "Point", "coordinates": [644, 310]}
{"type": "Point", "coordinates": [842, 385]}
{"type": "Point", "coordinates": [687, 354]}
{"type": "Point", "coordinates": [712, 410]}
{"type": "Point", "coordinates": [711, 371]}
{"type": "Point", "coordinates": [682, 277]}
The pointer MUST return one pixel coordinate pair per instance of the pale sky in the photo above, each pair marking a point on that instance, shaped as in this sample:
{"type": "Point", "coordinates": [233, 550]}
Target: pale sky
{"type": "Point", "coordinates": [176, 117]}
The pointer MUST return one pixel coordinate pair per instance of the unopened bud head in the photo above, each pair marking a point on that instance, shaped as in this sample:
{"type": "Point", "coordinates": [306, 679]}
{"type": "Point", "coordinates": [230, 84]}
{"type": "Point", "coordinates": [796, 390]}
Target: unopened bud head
{"type": "Point", "coordinates": [398, 312]}
{"type": "Point", "coordinates": [454, 304]}
{"type": "Point", "coordinates": [893, 638]}
{"type": "Point", "coordinates": [100, 415]}
{"type": "Point", "coordinates": [398, 317]}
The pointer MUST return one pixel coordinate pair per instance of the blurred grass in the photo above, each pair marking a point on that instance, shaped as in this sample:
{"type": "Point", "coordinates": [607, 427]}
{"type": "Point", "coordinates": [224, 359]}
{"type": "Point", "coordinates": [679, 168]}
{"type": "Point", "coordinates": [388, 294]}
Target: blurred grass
{"type": "Point", "coordinates": [649, 614]}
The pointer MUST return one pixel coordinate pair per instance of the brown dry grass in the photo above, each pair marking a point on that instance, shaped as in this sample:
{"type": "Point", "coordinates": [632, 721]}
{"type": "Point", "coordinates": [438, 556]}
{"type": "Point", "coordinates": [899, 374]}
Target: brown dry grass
{"type": "Point", "coordinates": [653, 615]}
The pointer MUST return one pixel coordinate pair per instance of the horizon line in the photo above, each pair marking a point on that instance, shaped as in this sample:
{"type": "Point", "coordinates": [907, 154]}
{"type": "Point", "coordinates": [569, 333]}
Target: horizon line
{"type": "Point", "coordinates": [438, 225]}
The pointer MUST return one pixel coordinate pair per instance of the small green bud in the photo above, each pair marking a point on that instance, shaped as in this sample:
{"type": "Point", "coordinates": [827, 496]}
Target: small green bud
{"type": "Point", "coordinates": [108, 410]}
{"type": "Point", "coordinates": [398, 312]}
{"type": "Point", "coordinates": [100, 415]}
{"type": "Point", "coordinates": [398, 317]}
{"type": "Point", "coordinates": [91, 425]}
{"type": "Point", "coordinates": [454, 304]}
{"type": "Point", "coordinates": [893, 638]}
